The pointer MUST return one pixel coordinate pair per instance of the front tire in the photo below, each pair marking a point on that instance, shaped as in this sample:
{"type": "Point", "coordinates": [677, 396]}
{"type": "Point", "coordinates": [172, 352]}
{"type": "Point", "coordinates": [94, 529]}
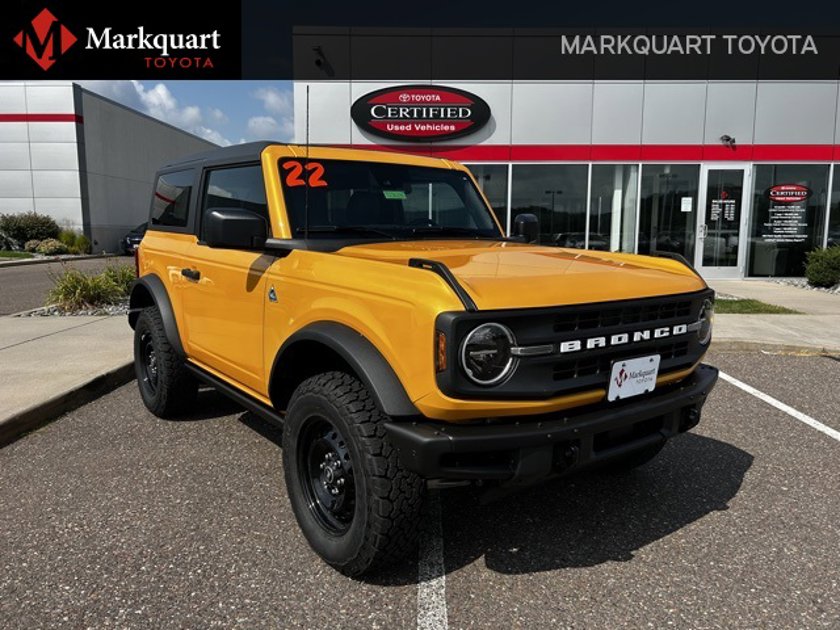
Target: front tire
{"type": "Point", "coordinates": [167, 389]}
{"type": "Point", "coordinates": [356, 505]}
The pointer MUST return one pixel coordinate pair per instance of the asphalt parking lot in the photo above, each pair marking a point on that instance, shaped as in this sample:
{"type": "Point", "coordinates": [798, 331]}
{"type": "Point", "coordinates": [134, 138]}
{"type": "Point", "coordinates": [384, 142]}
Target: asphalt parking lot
{"type": "Point", "coordinates": [112, 518]}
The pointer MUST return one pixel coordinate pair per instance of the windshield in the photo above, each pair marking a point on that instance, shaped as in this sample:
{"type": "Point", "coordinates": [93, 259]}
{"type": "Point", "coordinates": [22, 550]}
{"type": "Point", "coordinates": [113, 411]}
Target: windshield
{"type": "Point", "coordinates": [378, 200]}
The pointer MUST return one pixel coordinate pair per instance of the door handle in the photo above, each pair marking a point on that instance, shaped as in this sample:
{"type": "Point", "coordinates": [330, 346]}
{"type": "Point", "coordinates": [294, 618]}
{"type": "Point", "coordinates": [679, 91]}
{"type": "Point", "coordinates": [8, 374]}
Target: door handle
{"type": "Point", "coordinates": [191, 274]}
{"type": "Point", "coordinates": [704, 229]}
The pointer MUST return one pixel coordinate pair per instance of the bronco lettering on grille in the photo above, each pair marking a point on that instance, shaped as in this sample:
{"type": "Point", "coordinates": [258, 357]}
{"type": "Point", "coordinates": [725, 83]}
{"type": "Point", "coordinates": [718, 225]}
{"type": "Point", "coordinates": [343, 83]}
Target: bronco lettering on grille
{"type": "Point", "coordinates": [620, 339]}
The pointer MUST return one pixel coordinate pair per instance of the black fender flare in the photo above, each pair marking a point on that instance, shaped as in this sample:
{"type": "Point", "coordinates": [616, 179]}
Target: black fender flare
{"type": "Point", "coordinates": [363, 357]}
{"type": "Point", "coordinates": [153, 286]}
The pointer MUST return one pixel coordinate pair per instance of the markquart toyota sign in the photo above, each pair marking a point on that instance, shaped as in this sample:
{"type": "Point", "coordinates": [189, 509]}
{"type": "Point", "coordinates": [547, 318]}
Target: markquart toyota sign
{"type": "Point", "coordinates": [420, 113]}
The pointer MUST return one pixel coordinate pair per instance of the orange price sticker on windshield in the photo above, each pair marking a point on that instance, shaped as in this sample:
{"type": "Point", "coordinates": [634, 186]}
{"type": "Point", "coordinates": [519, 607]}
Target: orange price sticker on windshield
{"type": "Point", "coordinates": [314, 174]}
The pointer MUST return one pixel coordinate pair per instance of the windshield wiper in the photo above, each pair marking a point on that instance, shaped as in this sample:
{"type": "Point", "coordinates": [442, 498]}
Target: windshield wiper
{"type": "Point", "coordinates": [351, 229]}
{"type": "Point", "coordinates": [443, 229]}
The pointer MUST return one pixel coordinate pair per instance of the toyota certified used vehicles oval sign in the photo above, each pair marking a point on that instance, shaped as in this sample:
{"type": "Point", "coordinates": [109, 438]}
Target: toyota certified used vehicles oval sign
{"type": "Point", "coordinates": [420, 113]}
{"type": "Point", "coordinates": [788, 193]}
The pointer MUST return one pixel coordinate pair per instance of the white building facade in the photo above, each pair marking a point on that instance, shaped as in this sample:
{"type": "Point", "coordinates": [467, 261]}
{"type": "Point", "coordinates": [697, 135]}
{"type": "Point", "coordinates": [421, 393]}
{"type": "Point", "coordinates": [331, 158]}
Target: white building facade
{"type": "Point", "coordinates": [84, 160]}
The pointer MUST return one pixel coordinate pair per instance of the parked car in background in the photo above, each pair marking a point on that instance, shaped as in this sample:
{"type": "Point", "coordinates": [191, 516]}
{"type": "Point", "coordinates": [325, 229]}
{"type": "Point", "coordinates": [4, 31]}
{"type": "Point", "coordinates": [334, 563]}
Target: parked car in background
{"type": "Point", "coordinates": [131, 241]}
{"type": "Point", "coordinates": [577, 240]}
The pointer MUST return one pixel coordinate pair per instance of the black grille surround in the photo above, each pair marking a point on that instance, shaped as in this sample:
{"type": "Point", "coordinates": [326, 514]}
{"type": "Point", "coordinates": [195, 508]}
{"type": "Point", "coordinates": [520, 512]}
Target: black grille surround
{"type": "Point", "coordinates": [559, 374]}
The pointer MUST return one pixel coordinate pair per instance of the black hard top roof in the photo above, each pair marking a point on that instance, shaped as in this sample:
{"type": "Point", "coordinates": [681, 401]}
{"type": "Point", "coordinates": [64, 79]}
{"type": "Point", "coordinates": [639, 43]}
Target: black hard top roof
{"type": "Point", "coordinates": [250, 151]}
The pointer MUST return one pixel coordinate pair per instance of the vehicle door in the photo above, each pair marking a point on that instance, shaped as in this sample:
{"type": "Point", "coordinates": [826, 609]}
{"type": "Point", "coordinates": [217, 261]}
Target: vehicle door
{"type": "Point", "coordinates": [223, 305]}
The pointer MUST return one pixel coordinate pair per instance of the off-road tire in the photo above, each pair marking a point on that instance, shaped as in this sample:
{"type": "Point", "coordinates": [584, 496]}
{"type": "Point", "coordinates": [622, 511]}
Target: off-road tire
{"type": "Point", "coordinates": [384, 521]}
{"type": "Point", "coordinates": [634, 460]}
{"type": "Point", "coordinates": [174, 390]}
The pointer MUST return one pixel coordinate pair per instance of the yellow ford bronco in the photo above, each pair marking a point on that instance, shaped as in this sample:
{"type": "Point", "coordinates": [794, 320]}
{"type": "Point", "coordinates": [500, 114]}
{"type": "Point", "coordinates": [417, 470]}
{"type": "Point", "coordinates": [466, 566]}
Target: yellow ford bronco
{"type": "Point", "coordinates": [370, 304]}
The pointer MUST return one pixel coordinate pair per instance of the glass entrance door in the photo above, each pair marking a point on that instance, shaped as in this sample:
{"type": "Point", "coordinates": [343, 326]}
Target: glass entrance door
{"type": "Point", "coordinates": [721, 222]}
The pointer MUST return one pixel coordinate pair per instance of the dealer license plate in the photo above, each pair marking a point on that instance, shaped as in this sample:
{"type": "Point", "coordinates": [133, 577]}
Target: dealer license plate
{"type": "Point", "coordinates": [632, 377]}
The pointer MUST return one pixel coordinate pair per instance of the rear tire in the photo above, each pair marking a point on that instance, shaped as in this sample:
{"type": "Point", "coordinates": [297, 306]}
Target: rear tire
{"type": "Point", "coordinates": [357, 506]}
{"type": "Point", "coordinates": [166, 387]}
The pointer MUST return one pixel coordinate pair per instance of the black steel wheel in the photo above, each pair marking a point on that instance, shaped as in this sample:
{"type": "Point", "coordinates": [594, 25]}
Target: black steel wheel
{"type": "Point", "coordinates": [355, 503]}
{"type": "Point", "coordinates": [326, 469]}
{"type": "Point", "coordinates": [148, 378]}
{"type": "Point", "coordinates": [167, 389]}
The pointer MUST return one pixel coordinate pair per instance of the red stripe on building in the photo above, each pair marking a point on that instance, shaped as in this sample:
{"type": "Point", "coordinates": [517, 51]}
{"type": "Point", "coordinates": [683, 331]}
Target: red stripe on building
{"type": "Point", "coordinates": [783, 152]}
{"type": "Point", "coordinates": [548, 152]}
{"type": "Point", "coordinates": [672, 152]}
{"type": "Point", "coordinates": [618, 152]}
{"type": "Point", "coordinates": [74, 118]}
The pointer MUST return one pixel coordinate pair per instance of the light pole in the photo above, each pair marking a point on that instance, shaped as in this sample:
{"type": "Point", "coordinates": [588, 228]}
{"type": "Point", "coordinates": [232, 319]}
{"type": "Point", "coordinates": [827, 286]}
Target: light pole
{"type": "Point", "coordinates": [553, 194]}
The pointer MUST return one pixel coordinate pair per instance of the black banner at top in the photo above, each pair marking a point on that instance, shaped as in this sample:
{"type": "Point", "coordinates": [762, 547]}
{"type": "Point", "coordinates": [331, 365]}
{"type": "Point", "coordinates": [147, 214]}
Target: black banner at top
{"type": "Point", "coordinates": [433, 40]}
{"type": "Point", "coordinates": [564, 54]}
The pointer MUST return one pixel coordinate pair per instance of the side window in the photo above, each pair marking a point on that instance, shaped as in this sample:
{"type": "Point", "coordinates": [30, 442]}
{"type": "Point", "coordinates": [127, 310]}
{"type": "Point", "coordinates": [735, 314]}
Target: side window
{"type": "Point", "coordinates": [171, 203]}
{"type": "Point", "coordinates": [237, 187]}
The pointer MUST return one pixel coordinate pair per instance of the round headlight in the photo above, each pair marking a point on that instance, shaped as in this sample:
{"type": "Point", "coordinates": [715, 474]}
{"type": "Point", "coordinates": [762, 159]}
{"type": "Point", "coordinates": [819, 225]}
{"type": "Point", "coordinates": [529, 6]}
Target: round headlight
{"type": "Point", "coordinates": [486, 354]}
{"type": "Point", "coordinates": [707, 314]}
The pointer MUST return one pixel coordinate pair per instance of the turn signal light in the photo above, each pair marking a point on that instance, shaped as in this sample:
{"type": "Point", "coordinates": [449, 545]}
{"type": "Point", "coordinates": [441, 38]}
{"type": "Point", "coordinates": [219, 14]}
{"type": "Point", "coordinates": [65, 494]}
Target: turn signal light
{"type": "Point", "coordinates": [440, 351]}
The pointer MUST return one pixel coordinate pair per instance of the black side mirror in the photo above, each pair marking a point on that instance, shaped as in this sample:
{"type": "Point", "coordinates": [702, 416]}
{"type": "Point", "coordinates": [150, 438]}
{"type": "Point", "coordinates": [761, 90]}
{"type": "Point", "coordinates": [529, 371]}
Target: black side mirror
{"type": "Point", "coordinates": [526, 227]}
{"type": "Point", "coordinates": [234, 228]}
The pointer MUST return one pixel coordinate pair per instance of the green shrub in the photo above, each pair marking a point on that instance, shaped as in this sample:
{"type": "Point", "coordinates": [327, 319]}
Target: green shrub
{"type": "Point", "coordinates": [74, 290]}
{"type": "Point", "coordinates": [68, 237]}
{"type": "Point", "coordinates": [76, 242]}
{"type": "Point", "coordinates": [122, 276]}
{"type": "Point", "coordinates": [823, 267]}
{"type": "Point", "coordinates": [83, 244]}
{"type": "Point", "coordinates": [31, 246]}
{"type": "Point", "coordinates": [29, 226]}
{"type": "Point", "coordinates": [52, 247]}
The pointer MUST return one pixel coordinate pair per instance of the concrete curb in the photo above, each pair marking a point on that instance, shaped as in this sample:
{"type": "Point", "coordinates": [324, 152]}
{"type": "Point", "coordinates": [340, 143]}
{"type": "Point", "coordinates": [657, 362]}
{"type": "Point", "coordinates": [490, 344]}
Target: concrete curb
{"type": "Point", "coordinates": [28, 311]}
{"type": "Point", "coordinates": [54, 259]}
{"type": "Point", "coordinates": [752, 346]}
{"type": "Point", "coordinates": [45, 412]}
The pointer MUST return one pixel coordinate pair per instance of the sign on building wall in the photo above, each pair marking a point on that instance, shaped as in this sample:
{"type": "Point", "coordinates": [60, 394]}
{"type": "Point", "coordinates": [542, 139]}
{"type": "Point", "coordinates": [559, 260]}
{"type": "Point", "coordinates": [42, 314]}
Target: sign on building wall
{"type": "Point", "coordinates": [787, 221]}
{"type": "Point", "coordinates": [420, 113]}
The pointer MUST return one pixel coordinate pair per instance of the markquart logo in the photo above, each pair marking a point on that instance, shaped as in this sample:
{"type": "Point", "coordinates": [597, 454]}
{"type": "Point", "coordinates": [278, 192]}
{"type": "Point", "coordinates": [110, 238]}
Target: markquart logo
{"type": "Point", "coordinates": [161, 43]}
{"type": "Point", "coordinates": [45, 39]}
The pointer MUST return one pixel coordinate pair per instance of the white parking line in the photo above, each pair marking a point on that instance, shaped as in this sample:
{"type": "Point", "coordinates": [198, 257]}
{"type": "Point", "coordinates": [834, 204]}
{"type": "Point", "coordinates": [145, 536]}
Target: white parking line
{"type": "Point", "coordinates": [431, 572]}
{"type": "Point", "coordinates": [814, 424]}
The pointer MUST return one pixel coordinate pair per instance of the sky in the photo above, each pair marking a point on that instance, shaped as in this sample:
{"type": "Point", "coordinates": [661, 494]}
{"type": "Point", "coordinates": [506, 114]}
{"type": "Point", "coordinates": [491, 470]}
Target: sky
{"type": "Point", "coordinates": [224, 112]}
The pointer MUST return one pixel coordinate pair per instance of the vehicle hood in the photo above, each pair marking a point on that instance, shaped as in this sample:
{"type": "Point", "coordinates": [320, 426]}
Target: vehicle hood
{"type": "Point", "coordinates": [502, 274]}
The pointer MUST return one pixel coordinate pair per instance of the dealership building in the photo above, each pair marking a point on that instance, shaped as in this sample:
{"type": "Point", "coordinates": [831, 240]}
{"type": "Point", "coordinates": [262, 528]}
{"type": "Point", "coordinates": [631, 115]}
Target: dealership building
{"type": "Point", "coordinates": [83, 159]}
{"type": "Point", "coordinates": [737, 176]}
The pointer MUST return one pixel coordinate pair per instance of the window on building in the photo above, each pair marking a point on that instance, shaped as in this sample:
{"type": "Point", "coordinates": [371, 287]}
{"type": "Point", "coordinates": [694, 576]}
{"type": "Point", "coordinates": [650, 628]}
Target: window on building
{"type": "Point", "coordinates": [171, 203]}
{"type": "Point", "coordinates": [668, 208]}
{"type": "Point", "coordinates": [788, 217]}
{"type": "Point", "coordinates": [612, 208]}
{"type": "Point", "coordinates": [493, 181]}
{"type": "Point", "coordinates": [834, 219]}
{"type": "Point", "coordinates": [556, 193]}
{"type": "Point", "coordinates": [237, 187]}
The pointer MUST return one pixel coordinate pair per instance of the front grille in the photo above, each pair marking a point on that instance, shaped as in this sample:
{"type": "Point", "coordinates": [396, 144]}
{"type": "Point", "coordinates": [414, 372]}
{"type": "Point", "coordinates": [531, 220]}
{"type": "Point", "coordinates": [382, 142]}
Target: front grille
{"type": "Point", "coordinates": [570, 371]}
{"type": "Point", "coordinates": [589, 319]}
{"type": "Point", "coordinates": [592, 366]}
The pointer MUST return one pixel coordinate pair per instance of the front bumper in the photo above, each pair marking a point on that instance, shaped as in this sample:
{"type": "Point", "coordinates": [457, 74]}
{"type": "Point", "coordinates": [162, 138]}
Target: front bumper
{"type": "Point", "coordinates": [523, 451]}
